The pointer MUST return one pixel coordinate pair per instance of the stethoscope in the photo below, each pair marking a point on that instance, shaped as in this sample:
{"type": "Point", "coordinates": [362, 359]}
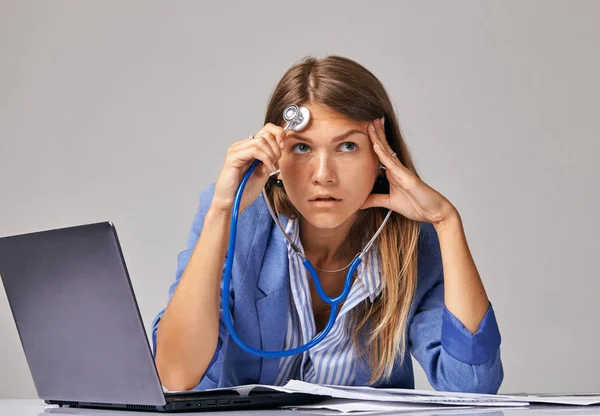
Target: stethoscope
{"type": "Point", "coordinates": [297, 118]}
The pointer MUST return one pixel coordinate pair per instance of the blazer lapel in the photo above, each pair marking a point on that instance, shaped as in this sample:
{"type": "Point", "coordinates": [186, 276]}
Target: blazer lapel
{"type": "Point", "coordinates": [272, 309]}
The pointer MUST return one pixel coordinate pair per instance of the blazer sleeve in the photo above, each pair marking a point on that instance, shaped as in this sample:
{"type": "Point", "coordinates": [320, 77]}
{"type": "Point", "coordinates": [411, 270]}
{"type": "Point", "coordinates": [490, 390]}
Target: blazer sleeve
{"type": "Point", "coordinates": [454, 359]}
{"type": "Point", "coordinates": [212, 374]}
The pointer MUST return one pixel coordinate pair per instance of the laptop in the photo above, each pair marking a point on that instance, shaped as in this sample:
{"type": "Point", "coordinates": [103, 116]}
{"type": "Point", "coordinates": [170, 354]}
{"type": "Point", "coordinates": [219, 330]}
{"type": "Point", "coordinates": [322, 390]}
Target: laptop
{"type": "Point", "coordinates": [82, 333]}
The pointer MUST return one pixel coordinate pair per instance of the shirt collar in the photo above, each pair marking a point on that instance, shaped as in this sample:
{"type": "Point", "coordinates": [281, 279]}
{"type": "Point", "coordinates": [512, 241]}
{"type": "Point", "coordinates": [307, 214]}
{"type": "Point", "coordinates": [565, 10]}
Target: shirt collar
{"type": "Point", "coordinates": [368, 271]}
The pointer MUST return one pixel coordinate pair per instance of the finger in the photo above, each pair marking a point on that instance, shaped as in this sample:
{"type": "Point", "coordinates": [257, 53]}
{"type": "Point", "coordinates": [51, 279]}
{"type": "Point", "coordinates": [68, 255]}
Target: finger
{"type": "Point", "coordinates": [381, 144]}
{"type": "Point", "coordinates": [260, 143]}
{"type": "Point", "coordinates": [269, 140]}
{"type": "Point", "coordinates": [242, 156]}
{"type": "Point", "coordinates": [373, 135]}
{"type": "Point", "coordinates": [387, 158]}
{"type": "Point", "coordinates": [270, 131]}
{"type": "Point", "coordinates": [278, 132]}
{"type": "Point", "coordinates": [377, 200]}
{"type": "Point", "coordinates": [391, 163]}
{"type": "Point", "coordinates": [380, 138]}
{"type": "Point", "coordinates": [378, 132]}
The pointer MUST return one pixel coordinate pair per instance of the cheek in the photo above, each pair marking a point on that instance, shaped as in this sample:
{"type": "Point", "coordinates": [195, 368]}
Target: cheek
{"type": "Point", "coordinates": [362, 184]}
{"type": "Point", "coordinates": [362, 178]}
{"type": "Point", "coordinates": [292, 177]}
{"type": "Point", "coordinates": [290, 172]}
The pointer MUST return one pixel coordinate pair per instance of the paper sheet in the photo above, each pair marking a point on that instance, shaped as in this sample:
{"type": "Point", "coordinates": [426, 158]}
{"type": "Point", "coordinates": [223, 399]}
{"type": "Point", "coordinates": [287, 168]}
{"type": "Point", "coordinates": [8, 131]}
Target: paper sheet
{"type": "Point", "coordinates": [366, 407]}
{"type": "Point", "coordinates": [395, 395]}
{"type": "Point", "coordinates": [356, 394]}
{"type": "Point", "coordinates": [570, 399]}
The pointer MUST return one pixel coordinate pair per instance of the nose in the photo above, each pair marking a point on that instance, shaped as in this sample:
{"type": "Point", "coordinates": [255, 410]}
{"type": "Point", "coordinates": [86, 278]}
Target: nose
{"type": "Point", "coordinates": [324, 170]}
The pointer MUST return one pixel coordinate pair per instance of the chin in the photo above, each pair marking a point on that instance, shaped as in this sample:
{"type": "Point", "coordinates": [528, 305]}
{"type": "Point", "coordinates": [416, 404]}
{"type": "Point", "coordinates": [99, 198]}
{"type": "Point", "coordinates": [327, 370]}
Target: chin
{"type": "Point", "coordinates": [325, 223]}
{"type": "Point", "coordinates": [325, 220]}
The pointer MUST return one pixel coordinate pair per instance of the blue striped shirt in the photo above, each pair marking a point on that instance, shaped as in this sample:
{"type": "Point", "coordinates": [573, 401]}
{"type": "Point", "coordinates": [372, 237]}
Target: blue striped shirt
{"type": "Point", "coordinates": [332, 360]}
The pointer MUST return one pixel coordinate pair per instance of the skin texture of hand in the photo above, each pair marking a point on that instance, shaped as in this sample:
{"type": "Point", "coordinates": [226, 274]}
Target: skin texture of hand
{"type": "Point", "coordinates": [409, 196]}
{"type": "Point", "coordinates": [464, 294]}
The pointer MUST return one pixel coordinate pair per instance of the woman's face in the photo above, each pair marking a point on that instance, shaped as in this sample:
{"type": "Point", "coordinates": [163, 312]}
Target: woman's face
{"type": "Point", "coordinates": [331, 157]}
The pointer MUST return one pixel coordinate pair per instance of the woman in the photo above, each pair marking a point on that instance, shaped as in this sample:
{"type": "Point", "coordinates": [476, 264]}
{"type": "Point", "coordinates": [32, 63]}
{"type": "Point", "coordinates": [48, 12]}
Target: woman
{"type": "Point", "coordinates": [416, 292]}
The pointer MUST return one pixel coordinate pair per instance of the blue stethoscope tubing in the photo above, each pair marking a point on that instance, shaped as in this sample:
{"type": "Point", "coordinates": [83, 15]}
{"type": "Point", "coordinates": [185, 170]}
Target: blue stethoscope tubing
{"type": "Point", "coordinates": [297, 118]}
{"type": "Point", "coordinates": [333, 302]}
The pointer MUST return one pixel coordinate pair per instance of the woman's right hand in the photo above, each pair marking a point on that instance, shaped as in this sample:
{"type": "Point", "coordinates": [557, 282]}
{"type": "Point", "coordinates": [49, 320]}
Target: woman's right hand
{"type": "Point", "coordinates": [266, 146]}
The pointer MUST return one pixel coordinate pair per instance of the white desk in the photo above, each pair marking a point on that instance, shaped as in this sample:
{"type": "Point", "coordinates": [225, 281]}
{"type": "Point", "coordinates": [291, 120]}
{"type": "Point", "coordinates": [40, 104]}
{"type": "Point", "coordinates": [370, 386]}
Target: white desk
{"type": "Point", "coordinates": [39, 408]}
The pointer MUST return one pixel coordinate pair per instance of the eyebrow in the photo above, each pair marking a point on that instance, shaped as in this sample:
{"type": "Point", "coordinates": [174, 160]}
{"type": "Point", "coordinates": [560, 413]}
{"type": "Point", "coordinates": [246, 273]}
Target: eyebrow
{"type": "Point", "coordinates": [334, 140]}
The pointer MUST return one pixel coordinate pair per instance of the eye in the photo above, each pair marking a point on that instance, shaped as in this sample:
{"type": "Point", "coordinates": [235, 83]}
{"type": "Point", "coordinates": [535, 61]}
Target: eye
{"type": "Point", "coordinates": [304, 148]}
{"type": "Point", "coordinates": [349, 146]}
{"type": "Point", "coordinates": [301, 146]}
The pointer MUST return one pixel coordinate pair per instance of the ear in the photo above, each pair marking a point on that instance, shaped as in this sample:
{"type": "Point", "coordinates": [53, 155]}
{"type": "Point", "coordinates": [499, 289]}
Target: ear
{"type": "Point", "coordinates": [381, 186]}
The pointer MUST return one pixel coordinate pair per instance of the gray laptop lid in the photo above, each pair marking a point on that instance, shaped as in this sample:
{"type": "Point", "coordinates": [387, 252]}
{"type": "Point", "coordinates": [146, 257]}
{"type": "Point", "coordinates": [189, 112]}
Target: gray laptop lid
{"type": "Point", "coordinates": [77, 317]}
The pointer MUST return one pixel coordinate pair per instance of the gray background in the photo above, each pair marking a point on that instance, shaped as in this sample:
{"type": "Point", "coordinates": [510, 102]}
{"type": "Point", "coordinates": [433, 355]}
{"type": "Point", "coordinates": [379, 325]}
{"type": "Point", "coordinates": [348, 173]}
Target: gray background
{"type": "Point", "coordinates": [123, 111]}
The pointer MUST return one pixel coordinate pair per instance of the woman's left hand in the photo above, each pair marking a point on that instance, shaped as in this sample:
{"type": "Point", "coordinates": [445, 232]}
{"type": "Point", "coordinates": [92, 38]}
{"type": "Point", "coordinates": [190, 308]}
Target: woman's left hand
{"type": "Point", "coordinates": [409, 196]}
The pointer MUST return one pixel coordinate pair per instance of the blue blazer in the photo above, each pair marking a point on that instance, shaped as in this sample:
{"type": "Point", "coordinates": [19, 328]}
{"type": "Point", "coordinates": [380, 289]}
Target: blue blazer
{"type": "Point", "coordinates": [452, 357]}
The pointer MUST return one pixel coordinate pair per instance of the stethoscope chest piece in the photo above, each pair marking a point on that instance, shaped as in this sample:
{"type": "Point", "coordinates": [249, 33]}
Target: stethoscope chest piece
{"type": "Point", "coordinates": [297, 117]}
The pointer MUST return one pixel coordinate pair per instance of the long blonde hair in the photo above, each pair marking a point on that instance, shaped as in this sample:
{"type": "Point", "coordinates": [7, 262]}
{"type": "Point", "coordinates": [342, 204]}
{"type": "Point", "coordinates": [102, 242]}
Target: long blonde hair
{"type": "Point", "coordinates": [348, 88]}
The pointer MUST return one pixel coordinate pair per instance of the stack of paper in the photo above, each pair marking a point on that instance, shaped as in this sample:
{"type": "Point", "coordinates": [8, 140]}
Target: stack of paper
{"type": "Point", "coordinates": [356, 408]}
{"type": "Point", "coordinates": [404, 396]}
{"type": "Point", "coordinates": [347, 399]}
{"type": "Point", "coordinates": [439, 397]}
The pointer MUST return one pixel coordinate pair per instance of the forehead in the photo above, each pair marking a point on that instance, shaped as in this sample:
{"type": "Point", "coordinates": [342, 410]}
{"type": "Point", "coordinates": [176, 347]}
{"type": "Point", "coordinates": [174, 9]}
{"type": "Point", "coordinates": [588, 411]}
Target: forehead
{"type": "Point", "coordinates": [325, 120]}
{"type": "Point", "coordinates": [319, 113]}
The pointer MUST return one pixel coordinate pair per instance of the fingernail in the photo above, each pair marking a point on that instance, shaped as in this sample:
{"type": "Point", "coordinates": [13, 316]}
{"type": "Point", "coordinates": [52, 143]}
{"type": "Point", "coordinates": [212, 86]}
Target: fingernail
{"type": "Point", "coordinates": [382, 121]}
{"type": "Point", "coordinates": [371, 126]}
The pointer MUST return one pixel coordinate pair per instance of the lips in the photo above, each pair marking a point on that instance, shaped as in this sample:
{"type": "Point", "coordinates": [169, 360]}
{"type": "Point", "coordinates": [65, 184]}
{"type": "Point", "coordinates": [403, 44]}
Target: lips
{"type": "Point", "coordinates": [324, 201]}
{"type": "Point", "coordinates": [323, 197]}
